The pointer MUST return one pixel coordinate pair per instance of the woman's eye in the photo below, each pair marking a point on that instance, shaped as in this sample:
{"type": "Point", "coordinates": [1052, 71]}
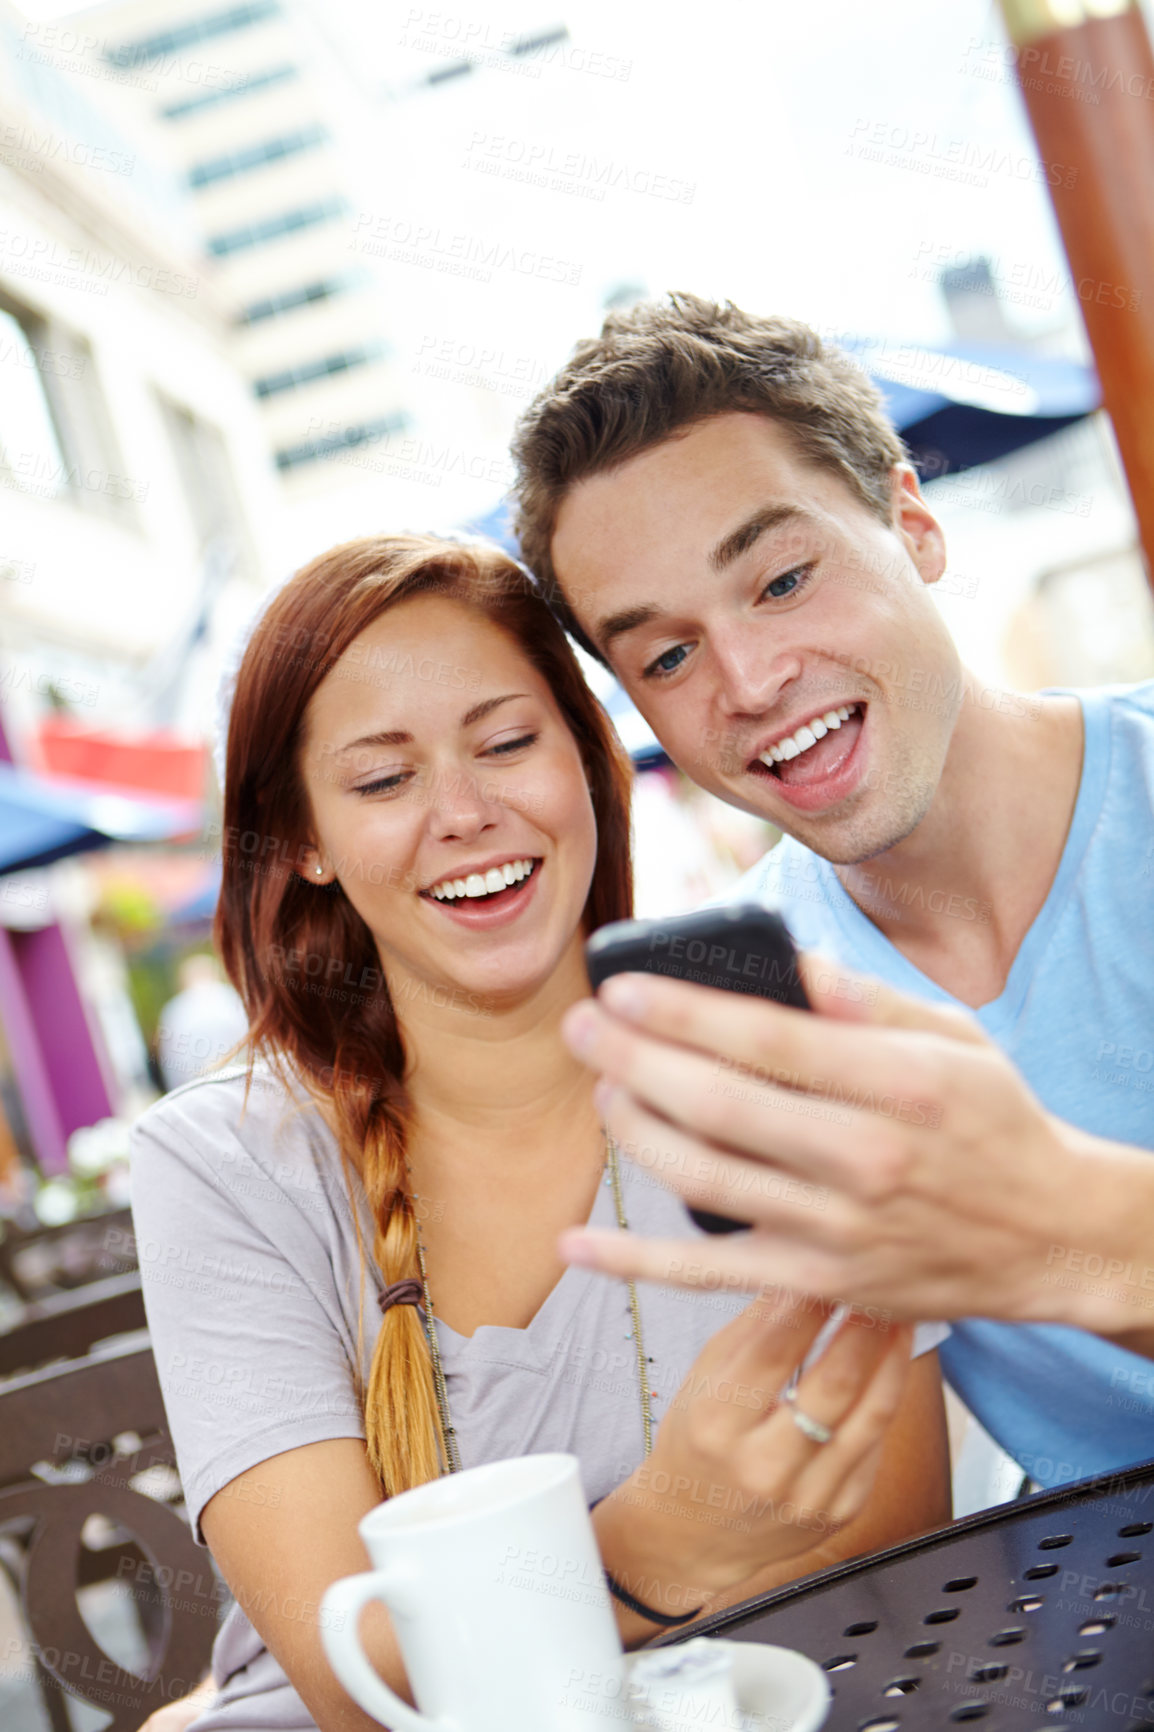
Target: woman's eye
{"type": "Point", "coordinates": [384, 784]}
{"type": "Point", "coordinates": [787, 582]}
{"type": "Point", "coordinates": [512, 745]}
{"type": "Point", "coordinates": [667, 662]}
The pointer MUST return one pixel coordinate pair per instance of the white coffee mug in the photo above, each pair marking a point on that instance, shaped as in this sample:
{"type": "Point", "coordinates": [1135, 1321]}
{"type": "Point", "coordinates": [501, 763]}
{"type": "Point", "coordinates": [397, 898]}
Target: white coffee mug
{"type": "Point", "coordinates": [494, 1584]}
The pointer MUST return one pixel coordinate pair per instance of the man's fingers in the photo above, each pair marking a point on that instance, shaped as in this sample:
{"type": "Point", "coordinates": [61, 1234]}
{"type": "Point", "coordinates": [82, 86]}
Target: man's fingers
{"type": "Point", "coordinates": [740, 1047]}
{"type": "Point", "coordinates": [745, 1187]}
{"type": "Point", "coordinates": [858, 1150]}
{"type": "Point", "coordinates": [838, 992]}
{"type": "Point", "coordinates": [726, 1263]}
{"type": "Point", "coordinates": [705, 1266]}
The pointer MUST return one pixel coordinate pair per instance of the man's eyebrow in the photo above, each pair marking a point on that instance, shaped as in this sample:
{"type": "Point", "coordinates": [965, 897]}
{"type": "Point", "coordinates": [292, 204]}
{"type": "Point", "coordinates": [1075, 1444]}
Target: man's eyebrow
{"type": "Point", "coordinates": [401, 736]}
{"type": "Point", "coordinates": [616, 623]}
{"type": "Point", "coordinates": [729, 548]}
{"type": "Point", "coordinates": [741, 539]}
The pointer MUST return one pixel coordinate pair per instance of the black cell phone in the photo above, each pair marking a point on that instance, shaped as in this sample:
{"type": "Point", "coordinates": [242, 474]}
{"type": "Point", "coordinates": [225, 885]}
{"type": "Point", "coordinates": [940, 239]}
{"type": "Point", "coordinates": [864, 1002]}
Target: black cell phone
{"type": "Point", "coordinates": [739, 948]}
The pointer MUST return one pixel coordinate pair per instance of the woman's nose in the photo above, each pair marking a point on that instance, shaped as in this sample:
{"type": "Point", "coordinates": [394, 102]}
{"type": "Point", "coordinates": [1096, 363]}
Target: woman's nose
{"type": "Point", "coordinates": [460, 806]}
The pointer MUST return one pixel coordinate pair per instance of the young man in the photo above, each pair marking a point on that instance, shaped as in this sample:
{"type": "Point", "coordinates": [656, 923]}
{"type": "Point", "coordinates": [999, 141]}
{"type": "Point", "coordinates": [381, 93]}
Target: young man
{"type": "Point", "coordinates": [722, 512]}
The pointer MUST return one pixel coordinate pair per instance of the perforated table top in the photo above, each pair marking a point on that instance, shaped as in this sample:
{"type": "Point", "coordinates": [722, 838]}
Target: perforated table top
{"type": "Point", "coordinates": [1035, 1616]}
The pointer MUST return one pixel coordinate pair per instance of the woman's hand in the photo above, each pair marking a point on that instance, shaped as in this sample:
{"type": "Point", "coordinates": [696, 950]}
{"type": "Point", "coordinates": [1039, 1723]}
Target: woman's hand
{"type": "Point", "coordinates": [175, 1716]}
{"type": "Point", "coordinates": [886, 1152]}
{"type": "Point", "coordinates": [734, 1485]}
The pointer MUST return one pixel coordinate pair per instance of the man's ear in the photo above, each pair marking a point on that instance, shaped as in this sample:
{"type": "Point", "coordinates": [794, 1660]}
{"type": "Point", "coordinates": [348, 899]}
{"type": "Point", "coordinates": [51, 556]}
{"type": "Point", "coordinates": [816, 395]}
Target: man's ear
{"type": "Point", "coordinates": [916, 524]}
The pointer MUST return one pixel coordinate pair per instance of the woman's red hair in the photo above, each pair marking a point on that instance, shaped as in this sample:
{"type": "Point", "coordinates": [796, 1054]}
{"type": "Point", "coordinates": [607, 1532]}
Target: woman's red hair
{"type": "Point", "coordinates": [352, 1059]}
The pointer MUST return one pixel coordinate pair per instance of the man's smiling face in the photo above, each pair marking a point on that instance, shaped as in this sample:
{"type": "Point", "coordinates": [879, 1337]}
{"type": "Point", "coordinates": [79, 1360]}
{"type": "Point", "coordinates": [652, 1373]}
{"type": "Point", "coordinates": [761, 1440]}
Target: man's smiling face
{"type": "Point", "coordinates": [746, 599]}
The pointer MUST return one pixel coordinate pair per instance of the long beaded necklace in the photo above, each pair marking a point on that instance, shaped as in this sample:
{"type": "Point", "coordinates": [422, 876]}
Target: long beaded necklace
{"type": "Point", "coordinates": [453, 1461]}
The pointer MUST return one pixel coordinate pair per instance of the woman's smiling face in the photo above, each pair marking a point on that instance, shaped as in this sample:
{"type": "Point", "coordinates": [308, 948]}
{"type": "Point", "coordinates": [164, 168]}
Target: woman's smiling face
{"type": "Point", "coordinates": [434, 756]}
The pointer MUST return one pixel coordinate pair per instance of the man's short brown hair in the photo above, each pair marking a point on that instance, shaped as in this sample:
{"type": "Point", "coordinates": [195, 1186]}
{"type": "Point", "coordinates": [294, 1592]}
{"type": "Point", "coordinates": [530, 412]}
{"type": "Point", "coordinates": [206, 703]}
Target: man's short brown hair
{"type": "Point", "coordinates": [659, 366]}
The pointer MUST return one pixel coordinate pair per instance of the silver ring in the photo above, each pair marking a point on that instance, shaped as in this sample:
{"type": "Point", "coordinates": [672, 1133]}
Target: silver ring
{"type": "Point", "coordinates": [805, 1422]}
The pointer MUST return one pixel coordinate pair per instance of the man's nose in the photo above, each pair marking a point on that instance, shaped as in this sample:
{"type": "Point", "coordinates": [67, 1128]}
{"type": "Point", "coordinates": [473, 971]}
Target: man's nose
{"type": "Point", "coordinates": [751, 675]}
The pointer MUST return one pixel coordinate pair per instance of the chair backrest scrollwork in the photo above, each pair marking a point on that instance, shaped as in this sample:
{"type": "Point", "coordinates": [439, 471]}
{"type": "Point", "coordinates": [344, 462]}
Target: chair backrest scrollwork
{"type": "Point", "coordinates": [85, 1440]}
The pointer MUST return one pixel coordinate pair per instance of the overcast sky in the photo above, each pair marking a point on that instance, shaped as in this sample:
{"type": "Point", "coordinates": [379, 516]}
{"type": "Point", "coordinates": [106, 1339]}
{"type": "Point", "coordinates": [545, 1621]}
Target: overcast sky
{"type": "Point", "coordinates": [823, 160]}
{"type": "Point", "coordinates": [820, 159]}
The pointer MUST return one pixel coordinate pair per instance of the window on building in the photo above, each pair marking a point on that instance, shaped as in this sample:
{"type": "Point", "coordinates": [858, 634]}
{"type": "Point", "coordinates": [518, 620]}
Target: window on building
{"type": "Point", "coordinates": [307, 372]}
{"type": "Point", "coordinates": [202, 29]}
{"type": "Point", "coordinates": [202, 462]}
{"type": "Point", "coordinates": [245, 84]}
{"type": "Point", "coordinates": [250, 156]}
{"type": "Point", "coordinates": [336, 439]}
{"type": "Point", "coordinates": [30, 446]}
{"type": "Point", "coordinates": [303, 295]}
{"type": "Point", "coordinates": [56, 437]}
{"type": "Point", "coordinates": [271, 228]}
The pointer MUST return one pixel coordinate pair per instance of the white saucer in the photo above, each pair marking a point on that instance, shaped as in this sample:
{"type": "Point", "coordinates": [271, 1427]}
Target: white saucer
{"type": "Point", "coordinates": [781, 1689]}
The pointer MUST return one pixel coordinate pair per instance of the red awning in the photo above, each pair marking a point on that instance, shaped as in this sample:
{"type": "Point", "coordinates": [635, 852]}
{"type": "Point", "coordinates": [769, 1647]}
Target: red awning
{"type": "Point", "coordinates": [156, 762]}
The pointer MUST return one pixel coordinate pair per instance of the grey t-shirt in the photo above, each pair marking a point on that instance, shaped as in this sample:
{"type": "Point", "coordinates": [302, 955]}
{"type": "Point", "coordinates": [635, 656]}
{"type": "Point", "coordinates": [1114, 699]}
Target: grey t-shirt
{"type": "Point", "coordinates": [259, 1308]}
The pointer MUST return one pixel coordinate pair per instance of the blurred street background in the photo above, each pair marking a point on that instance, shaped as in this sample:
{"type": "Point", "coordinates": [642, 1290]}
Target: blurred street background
{"type": "Point", "coordinates": [278, 273]}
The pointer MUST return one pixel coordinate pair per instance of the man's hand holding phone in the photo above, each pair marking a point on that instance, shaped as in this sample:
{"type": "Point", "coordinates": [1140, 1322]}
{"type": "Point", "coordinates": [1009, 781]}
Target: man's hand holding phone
{"type": "Point", "coordinates": [740, 948]}
{"type": "Point", "coordinates": [885, 1151]}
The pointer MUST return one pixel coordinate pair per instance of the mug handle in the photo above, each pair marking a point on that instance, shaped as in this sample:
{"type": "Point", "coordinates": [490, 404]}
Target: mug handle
{"type": "Point", "coordinates": [341, 1607]}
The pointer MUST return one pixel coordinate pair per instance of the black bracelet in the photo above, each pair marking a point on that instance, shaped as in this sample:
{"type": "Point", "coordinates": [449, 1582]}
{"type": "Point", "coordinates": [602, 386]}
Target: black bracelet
{"type": "Point", "coordinates": [662, 1618]}
{"type": "Point", "coordinates": [626, 1598]}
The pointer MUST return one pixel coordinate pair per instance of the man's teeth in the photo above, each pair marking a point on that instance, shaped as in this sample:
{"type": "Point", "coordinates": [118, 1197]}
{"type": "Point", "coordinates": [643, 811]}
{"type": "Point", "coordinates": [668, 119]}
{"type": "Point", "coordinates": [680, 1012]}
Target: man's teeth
{"type": "Point", "coordinates": [482, 883]}
{"type": "Point", "coordinates": [808, 735]}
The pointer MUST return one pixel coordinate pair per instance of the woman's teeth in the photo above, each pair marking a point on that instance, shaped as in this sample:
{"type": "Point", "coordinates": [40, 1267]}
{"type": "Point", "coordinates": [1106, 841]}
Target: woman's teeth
{"type": "Point", "coordinates": [482, 883]}
{"type": "Point", "coordinates": [807, 736]}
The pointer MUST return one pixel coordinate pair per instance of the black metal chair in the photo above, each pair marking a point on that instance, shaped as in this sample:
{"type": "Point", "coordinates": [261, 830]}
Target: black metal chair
{"type": "Point", "coordinates": [69, 1325]}
{"type": "Point", "coordinates": [40, 1261]}
{"type": "Point", "coordinates": [75, 1444]}
{"type": "Point", "coordinates": [1036, 1614]}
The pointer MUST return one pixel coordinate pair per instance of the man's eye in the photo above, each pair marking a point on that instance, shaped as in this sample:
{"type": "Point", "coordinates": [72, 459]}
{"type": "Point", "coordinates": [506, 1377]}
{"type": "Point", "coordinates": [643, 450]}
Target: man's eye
{"type": "Point", "coordinates": [667, 662]}
{"type": "Point", "coordinates": [788, 582]}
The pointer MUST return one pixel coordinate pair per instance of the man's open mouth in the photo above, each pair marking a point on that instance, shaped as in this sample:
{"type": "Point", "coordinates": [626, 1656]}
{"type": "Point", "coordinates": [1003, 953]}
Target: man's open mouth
{"type": "Point", "coordinates": [500, 884]}
{"type": "Point", "coordinates": [815, 750]}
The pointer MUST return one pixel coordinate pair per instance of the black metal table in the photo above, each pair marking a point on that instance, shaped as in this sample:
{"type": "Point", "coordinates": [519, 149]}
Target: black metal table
{"type": "Point", "coordinates": [1031, 1617]}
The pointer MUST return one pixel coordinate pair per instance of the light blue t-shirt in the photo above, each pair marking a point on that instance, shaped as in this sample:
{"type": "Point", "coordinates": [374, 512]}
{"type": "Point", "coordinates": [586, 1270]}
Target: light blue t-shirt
{"type": "Point", "coordinates": [1077, 1018]}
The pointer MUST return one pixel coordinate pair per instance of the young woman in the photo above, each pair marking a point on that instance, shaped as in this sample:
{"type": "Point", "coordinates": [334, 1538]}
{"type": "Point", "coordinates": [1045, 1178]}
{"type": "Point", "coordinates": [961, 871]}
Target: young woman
{"type": "Point", "coordinates": [349, 1247]}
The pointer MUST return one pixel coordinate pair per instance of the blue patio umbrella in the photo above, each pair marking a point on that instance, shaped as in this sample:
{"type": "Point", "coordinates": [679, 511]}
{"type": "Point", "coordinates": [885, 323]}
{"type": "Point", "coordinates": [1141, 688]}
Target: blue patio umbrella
{"type": "Point", "coordinates": [955, 406]}
{"type": "Point", "coordinates": [42, 820]}
{"type": "Point", "coordinates": [969, 403]}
